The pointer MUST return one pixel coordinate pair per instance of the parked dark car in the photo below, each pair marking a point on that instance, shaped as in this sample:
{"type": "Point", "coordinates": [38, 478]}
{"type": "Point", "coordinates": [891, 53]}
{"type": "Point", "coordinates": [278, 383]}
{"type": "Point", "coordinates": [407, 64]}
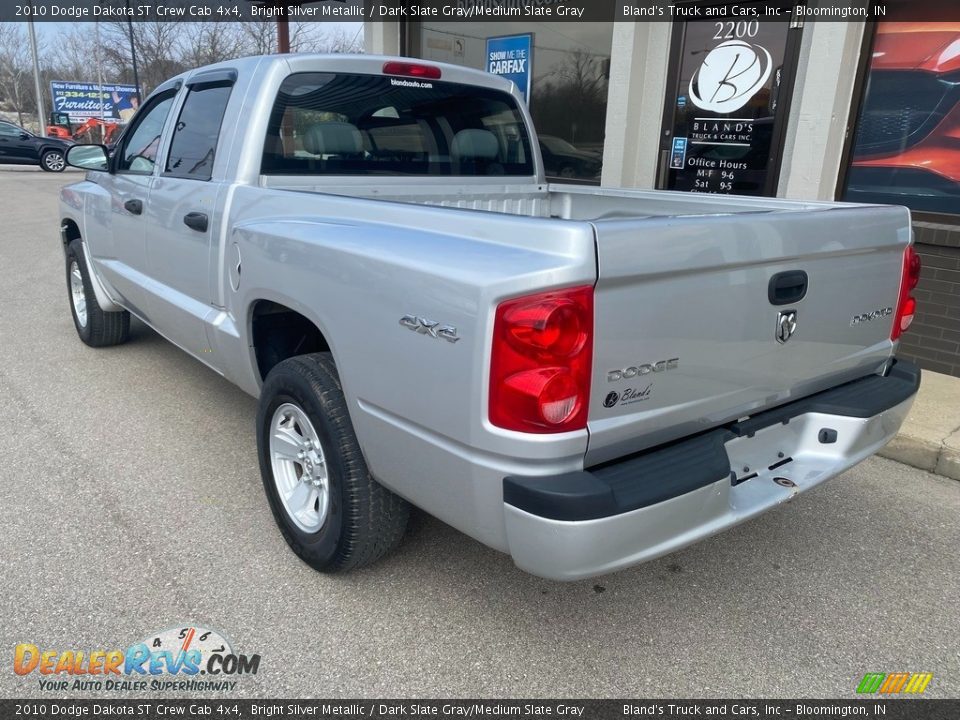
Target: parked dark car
{"type": "Point", "coordinates": [20, 147]}
{"type": "Point", "coordinates": [563, 160]}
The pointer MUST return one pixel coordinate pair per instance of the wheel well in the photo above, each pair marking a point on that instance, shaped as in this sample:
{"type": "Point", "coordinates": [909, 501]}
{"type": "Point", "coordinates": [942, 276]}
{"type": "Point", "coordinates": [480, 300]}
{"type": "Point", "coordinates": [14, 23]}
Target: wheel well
{"type": "Point", "coordinates": [70, 231]}
{"type": "Point", "coordinates": [280, 333]}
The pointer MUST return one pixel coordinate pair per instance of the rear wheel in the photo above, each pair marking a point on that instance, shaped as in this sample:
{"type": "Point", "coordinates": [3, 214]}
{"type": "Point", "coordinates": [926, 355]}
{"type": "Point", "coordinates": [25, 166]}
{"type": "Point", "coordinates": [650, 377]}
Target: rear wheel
{"type": "Point", "coordinates": [53, 161]}
{"type": "Point", "coordinates": [329, 509]}
{"type": "Point", "coordinates": [96, 327]}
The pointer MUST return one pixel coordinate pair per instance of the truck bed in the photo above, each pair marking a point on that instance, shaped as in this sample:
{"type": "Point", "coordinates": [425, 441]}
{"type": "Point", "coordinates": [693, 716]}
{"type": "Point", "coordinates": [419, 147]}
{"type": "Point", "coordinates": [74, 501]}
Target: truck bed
{"type": "Point", "coordinates": [680, 279]}
{"type": "Point", "coordinates": [553, 200]}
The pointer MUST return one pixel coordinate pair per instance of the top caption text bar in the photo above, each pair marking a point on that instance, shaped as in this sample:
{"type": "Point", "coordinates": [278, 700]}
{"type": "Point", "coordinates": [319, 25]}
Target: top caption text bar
{"type": "Point", "coordinates": [473, 11]}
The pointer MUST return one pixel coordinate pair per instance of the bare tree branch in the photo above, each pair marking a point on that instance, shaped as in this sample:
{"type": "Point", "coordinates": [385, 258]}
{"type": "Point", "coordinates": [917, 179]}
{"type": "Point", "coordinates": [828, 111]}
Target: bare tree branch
{"type": "Point", "coordinates": [16, 69]}
{"type": "Point", "coordinates": [164, 49]}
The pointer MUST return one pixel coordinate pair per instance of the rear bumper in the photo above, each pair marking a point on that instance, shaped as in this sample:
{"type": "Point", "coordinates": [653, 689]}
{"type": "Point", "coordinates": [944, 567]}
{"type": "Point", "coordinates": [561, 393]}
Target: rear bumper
{"type": "Point", "coordinates": [581, 524]}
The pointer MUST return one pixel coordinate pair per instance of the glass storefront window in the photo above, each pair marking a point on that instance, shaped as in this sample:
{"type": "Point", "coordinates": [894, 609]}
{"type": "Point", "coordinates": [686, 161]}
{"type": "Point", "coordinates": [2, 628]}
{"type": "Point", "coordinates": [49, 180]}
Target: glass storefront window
{"type": "Point", "coordinates": [570, 64]}
{"type": "Point", "coordinates": [728, 105]}
{"type": "Point", "coordinates": [906, 148]}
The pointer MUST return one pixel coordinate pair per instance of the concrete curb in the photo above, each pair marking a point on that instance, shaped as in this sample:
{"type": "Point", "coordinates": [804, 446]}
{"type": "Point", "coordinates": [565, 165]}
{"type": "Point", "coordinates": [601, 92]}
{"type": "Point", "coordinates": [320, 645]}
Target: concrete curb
{"type": "Point", "coordinates": [930, 436]}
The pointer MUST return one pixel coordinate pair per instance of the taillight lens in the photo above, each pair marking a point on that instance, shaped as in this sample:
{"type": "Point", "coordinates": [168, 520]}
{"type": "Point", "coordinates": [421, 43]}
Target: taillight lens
{"type": "Point", "coordinates": [906, 305]}
{"type": "Point", "coordinates": [541, 362]}
{"type": "Point", "coordinates": [415, 70]}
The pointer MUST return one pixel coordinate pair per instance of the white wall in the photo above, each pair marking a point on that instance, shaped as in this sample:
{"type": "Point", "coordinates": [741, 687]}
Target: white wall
{"type": "Point", "coordinates": [381, 38]}
{"type": "Point", "coordinates": [638, 77]}
{"type": "Point", "coordinates": [813, 146]}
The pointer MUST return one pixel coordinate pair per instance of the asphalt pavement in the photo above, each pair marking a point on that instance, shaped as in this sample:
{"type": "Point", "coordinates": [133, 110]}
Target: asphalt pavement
{"type": "Point", "coordinates": [132, 502]}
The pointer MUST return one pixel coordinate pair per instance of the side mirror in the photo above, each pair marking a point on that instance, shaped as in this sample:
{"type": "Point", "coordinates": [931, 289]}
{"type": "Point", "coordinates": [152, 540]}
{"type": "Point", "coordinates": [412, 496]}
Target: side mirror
{"type": "Point", "coordinates": [89, 157]}
{"type": "Point", "coordinates": [24, 136]}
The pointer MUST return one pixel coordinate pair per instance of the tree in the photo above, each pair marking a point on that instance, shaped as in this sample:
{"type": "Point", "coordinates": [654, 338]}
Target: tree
{"type": "Point", "coordinates": [16, 70]}
{"type": "Point", "coordinates": [164, 49]}
{"type": "Point", "coordinates": [260, 36]}
{"type": "Point", "coordinates": [204, 43]}
{"type": "Point", "coordinates": [74, 55]}
{"type": "Point", "coordinates": [317, 38]}
{"type": "Point", "coordinates": [571, 101]}
{"type": "Point", "coordinates": [160, 53]}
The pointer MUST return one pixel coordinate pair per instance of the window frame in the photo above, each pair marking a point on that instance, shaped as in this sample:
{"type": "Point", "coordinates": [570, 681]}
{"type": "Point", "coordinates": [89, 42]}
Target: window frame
{"type": "Point", "coordinates": [785, 99]}
{"type": "Point", "coordinates": [859, 94]}
{"type": "Point", "coordinates": [412, 46]}
{"type": "Point", "coordinates": [522, 119]}
{"type": "Point", "coordinates": [18, 131]}
{"type": "Point", "coordinates": [161, 96]}
{"type": "Point", "coordinates": [205, 81]}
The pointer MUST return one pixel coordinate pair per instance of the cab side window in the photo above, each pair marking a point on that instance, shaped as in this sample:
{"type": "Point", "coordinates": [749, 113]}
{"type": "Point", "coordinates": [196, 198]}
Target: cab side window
{"type": "Point", "coordinates": [8, 130]}
{"type": "Point", "coordinates": [138, 155]}
{"type": "Point", "coordinates": [194, 145]}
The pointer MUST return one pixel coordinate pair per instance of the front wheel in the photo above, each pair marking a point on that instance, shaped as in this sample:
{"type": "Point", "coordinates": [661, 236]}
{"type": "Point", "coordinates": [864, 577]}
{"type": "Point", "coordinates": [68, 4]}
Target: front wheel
{"type": "Point", "coordinates": [329, 509]}
{"type": "Point", "coordinates": [53, 161]}
{"type": "Point", "coordinates": [96, 327]}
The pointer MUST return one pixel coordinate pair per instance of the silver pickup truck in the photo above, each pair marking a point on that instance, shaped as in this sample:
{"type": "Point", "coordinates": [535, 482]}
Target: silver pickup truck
{"type": "Point", "coordinates": [585, 378]}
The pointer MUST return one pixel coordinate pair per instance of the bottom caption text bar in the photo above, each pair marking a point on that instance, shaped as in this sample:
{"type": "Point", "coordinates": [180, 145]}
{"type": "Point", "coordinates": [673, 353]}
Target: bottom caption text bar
{"type": "Point", "coordinates": [912, 709]}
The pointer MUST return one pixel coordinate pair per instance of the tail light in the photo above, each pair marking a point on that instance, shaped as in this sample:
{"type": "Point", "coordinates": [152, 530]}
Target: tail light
{"type": "Point", "coordinates": [541, 362]}
{"type": "Point", "coordinates": [408, 69]}
{"type": "Point", "coordinates": [907, 304]}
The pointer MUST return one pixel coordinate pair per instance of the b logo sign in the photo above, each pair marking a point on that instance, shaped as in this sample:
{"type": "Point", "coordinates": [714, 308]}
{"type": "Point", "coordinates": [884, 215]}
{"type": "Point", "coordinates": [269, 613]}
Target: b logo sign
{"type": "Point", "coordinates": [729, 76]}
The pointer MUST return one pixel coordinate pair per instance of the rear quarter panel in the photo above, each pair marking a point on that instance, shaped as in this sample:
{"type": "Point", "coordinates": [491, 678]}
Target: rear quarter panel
{"type": "Point", "coordinates": [418, 404]}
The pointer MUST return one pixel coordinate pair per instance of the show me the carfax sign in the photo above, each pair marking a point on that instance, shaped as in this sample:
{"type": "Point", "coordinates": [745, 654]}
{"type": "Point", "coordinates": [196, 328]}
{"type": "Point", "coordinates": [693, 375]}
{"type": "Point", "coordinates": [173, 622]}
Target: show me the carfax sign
{"type": "Point", "coordinates": [511, 56]}
{"type": "Point", "coordinates": [83, 100]}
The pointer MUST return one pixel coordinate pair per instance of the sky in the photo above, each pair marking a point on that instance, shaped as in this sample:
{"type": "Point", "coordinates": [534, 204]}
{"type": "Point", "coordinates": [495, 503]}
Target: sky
{"type": "Point", "coordinates": [50, 30]}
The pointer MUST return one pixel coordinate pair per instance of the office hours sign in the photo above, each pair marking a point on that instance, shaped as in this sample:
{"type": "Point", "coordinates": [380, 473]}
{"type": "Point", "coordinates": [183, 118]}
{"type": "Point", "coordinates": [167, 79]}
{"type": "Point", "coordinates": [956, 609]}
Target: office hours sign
{"type": "Point", "coordinates": [726, 110]}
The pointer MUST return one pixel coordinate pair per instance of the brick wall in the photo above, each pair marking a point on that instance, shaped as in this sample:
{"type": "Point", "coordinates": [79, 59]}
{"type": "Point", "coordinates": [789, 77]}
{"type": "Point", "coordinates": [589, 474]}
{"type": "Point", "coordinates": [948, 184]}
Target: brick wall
{"type": "Point", "coordinates": [933, 340]}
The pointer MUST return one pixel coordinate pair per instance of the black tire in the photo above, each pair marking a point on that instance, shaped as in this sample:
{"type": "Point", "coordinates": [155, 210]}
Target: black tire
{"type": "Point", "coordinates": [53, 161]}
{"type": "Point", "coordinates": [101, 328]}
{"type": "Point", "coordinates": [364, 521]}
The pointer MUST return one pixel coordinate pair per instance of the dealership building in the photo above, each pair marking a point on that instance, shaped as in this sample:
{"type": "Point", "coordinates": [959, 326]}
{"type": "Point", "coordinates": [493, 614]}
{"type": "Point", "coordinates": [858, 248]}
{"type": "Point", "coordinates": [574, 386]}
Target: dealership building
{"type": "Point", "coordinates": [854, 110]}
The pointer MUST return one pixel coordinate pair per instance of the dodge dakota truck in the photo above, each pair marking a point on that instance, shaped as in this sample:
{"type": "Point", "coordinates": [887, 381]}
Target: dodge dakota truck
{"type": "Point", "coordinates": [582, 377]}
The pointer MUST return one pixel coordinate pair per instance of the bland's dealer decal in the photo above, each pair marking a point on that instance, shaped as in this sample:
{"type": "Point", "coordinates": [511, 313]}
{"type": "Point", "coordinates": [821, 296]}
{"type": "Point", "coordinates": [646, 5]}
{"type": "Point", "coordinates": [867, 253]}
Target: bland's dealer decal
{"type": "Point", "coordinates": [729, 76]}
{"type": "Point", "coordinates": [168, 660]}
{"type": "Point", "coordinates": [725, 131]}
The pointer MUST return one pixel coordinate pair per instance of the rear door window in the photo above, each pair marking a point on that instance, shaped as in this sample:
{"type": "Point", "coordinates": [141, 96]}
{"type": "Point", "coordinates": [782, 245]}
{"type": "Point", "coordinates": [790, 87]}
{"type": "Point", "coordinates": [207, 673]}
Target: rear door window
{"type": "Point", "coordinates": [194, 145]}
{"type": "Point", "coordinates": [347, 124]}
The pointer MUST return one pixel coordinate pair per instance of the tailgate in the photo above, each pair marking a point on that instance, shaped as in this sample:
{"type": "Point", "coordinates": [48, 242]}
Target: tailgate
{"type": "Point", "coordinates": [687, 323]}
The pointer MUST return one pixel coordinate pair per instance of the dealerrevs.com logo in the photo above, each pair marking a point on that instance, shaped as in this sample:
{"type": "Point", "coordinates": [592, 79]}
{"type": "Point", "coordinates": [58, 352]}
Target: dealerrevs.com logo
{"type": "Point", "coordinates": [187, 658]}
{"type": "Point", "coordinates": [894, 683]}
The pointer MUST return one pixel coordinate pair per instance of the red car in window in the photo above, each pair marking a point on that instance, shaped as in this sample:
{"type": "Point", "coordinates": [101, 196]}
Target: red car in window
{"type": "Point", "coordinates": [907, 145]}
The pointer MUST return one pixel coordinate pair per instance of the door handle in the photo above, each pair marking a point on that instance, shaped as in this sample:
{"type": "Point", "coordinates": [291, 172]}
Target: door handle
{"type": "Point", "coordinates": [134, 207]}
{"type": "Point", "coordinates": [196, 221]}
{"type": "Point", "coordinates": [786, 288]}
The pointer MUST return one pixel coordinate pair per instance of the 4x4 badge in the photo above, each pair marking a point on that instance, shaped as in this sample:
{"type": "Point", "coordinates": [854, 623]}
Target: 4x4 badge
{"type": "Point", "coordinates": [430, 327]}
{"type": "Point", "coordinates": [786, 325]}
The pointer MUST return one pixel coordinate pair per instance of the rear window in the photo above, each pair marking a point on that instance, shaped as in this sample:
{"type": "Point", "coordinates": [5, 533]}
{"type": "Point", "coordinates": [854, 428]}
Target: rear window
{"type": "Point", "coordinates": [343, 124]}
